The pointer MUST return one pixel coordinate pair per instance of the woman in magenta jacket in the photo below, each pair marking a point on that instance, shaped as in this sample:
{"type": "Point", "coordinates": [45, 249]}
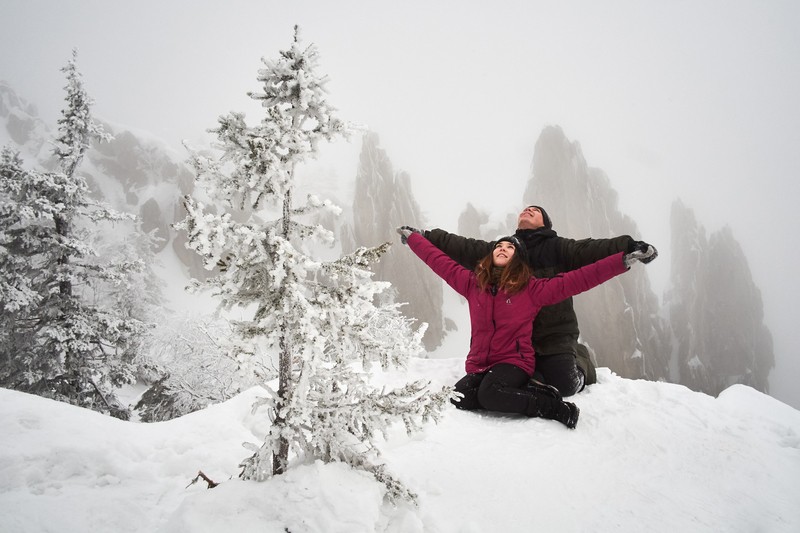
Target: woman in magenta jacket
{"type": "Point", "coordinates": [504, 298]}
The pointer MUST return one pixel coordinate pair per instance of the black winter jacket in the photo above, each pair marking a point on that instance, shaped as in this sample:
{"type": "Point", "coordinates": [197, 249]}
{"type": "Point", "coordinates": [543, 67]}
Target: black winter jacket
{"type": "Point", "coordinates": [555, 330]}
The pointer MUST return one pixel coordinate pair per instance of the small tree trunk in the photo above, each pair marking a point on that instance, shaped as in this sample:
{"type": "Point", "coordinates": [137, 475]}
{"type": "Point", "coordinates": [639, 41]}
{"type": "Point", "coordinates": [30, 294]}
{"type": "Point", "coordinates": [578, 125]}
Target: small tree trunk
{"type": "Point", "coordinates": [63, 229]}
{"type": "Point", "coordinates": [280, 459]}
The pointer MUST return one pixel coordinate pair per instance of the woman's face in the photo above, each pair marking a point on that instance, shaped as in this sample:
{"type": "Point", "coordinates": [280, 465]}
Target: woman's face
{"type": "Point", "coordinates": [502, 253]}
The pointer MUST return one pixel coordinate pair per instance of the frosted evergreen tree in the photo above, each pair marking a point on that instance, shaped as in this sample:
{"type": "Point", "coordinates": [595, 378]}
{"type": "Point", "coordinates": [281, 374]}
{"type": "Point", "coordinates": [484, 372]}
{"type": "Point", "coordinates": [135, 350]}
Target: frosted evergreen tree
{"type": "Point", "coordinates": [317, 316]}
{"type": "Point", "coordinates": [21, 282]}
{"type": "Point", "coordinates": [60, 343]}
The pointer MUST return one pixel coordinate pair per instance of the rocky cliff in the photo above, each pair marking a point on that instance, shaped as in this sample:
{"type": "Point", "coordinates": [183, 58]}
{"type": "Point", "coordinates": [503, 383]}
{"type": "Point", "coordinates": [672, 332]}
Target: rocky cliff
{"type": "Point", "coordinates": [620, 319]}
{"type": "Point", "coordinates": [132, 173]}
{"type": "Point", "coordinates": [715, 310]}
{"type": "Point", "coordinates": [383, 201]}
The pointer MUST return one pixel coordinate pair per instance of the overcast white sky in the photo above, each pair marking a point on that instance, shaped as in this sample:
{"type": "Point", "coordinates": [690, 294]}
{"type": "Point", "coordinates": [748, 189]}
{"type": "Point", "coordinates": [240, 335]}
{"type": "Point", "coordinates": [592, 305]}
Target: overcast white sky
{"type": "Point", "coordinates": [693, 99]}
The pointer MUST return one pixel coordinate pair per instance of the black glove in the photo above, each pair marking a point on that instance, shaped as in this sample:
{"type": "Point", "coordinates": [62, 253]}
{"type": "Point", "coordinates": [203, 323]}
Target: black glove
{"type": "Point", "coordinates": [641, 251]}
{"type": "Point", "coordinates": [405, 231]}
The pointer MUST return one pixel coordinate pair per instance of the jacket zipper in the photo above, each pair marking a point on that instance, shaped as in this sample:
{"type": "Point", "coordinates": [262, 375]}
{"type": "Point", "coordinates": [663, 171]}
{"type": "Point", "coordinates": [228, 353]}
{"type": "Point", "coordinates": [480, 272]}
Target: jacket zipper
{"type": "Point", "coordinates": [494, 324]}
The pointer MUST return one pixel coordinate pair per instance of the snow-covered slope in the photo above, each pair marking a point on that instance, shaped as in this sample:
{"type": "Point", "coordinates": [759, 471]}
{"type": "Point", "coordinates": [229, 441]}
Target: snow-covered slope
{"type": "Point", "coordinates": [645, 456]}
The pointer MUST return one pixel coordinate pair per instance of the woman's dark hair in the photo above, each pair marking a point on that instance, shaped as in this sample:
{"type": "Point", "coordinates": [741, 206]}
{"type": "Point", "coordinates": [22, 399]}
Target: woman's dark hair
{"type": "Point", "coordinates": [516, 274]}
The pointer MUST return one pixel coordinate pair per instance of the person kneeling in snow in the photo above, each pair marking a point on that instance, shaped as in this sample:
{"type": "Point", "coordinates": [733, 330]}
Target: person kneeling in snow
{"type": "Point", "coordinates": [504, 298]}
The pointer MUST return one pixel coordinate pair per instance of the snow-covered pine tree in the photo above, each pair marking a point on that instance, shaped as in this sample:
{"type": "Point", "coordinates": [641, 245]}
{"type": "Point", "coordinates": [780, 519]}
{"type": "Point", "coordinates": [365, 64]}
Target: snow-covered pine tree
{"type": "Point", "coordinates": [318, 316]}
{"type": "Point", "coordinates": [60, 344]}
{"type": "Point", "coordinates": [21, 281]}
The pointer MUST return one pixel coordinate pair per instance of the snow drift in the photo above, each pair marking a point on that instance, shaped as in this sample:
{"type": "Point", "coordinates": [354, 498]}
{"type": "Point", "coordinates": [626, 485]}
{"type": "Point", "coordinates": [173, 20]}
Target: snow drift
{"type": "Point", "coordinates": [645, 455]}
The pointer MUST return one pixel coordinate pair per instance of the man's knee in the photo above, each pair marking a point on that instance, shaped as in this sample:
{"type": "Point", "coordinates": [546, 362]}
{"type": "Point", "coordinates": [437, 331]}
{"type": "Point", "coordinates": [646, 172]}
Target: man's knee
{"type": "Point", "coordinates": [586, 363]}
{"type": "Point", "coordinates": [562, 372]}
{"type": "Point", "coordinates": [568, 383]}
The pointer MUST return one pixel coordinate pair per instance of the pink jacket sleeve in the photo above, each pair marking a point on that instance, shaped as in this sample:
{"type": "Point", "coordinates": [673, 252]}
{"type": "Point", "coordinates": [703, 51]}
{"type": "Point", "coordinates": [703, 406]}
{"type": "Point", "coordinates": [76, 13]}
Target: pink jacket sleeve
{"type": "Point", "coordinates": [548, 291]}
{"type": "Point", "coordinates": [458, 277]}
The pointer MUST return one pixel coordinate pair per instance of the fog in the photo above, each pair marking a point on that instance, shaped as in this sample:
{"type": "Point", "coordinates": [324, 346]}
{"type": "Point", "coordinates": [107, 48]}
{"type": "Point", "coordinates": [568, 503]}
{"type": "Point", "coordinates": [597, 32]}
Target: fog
{"type": "Point", "coordinates": [685, 99]}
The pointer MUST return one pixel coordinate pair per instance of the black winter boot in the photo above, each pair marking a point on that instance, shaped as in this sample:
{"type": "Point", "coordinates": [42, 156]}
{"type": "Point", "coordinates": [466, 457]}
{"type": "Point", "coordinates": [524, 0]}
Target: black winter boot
{"type": "Point", "coordinates": [544, 406]}
{"type": "Point", "coordinates": [567, 413]}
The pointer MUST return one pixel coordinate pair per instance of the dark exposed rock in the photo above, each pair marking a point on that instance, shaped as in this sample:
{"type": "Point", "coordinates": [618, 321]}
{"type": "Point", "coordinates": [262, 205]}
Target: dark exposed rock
{"type": "Point", "coordinates": [619, 319]}
{"type": "Point", "coordinates": [383, 201]}
{"type": "Point", "coordinates": [716, 312]}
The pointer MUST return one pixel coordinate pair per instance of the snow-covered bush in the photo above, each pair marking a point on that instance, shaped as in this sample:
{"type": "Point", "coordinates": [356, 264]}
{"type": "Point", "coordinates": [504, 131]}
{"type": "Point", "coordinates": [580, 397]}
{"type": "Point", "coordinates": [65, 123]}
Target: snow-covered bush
{"type": "Point", "coordinates": [191, 365]}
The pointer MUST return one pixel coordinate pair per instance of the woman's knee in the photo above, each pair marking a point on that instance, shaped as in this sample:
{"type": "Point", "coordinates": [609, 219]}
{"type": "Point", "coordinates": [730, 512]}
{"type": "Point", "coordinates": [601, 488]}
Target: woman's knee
{"type": "Point", "coordinates": [500, 384]}
{"type": "Point", "coordinates": [468, 387]}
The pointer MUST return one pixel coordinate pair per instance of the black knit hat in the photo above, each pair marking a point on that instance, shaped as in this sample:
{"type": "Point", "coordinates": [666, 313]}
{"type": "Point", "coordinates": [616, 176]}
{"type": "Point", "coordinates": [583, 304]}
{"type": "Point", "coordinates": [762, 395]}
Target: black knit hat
{"type": "Point", "coordinates": [519, 246]}
{"type": "Point", "coordinates": [545, 217]}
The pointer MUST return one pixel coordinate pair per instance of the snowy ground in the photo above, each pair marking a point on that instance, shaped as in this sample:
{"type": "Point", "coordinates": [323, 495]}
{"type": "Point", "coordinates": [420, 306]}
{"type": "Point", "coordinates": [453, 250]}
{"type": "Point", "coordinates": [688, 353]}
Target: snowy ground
{"type": "Point", "coordinates": [645, 457]}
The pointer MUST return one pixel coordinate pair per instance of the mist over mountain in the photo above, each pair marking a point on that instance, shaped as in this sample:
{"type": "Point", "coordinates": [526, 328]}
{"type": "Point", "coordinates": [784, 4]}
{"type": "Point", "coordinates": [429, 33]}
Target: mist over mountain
{"type": "Point", "coordinates": [132, 173]}
{"type": "Point", "coordinates": [383, 201]}
{"type": "Point", "coordinates": [619, 320]}
{"type": "Point", "coordinates": [715, 310]}
{"type": "Point", "coordinates": [708, 334]}
{"type": "Point", "coordinates": [22, 126]}
{"type": "Point", "coordinates": [140, 175]}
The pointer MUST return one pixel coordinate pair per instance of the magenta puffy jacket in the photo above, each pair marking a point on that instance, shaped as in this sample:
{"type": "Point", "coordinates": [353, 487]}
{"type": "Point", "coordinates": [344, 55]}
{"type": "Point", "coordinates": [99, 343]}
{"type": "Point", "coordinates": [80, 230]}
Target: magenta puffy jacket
{"type": "Point", "coordinates": [501, 324]}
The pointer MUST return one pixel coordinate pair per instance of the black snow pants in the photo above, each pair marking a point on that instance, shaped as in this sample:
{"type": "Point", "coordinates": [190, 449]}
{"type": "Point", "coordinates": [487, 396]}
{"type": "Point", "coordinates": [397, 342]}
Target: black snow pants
{"type": "Point", "coordinates": [501, 389]}
{"type": "Point", "coordinates": [561, 371]}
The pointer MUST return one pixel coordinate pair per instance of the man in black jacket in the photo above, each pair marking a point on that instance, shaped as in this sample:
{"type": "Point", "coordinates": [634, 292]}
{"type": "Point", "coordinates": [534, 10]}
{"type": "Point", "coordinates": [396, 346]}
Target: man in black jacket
{"type": "Point", "coordinates": [561, 361]}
